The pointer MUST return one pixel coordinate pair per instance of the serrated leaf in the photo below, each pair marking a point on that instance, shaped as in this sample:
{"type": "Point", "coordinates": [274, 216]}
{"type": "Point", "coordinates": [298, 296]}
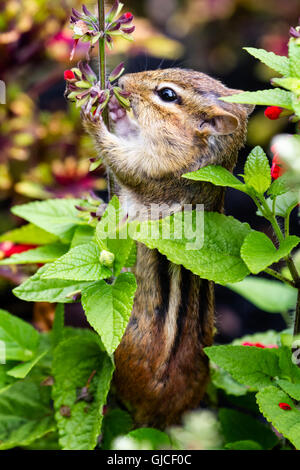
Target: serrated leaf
{"type": "Point", "coordinates": [289, 83]}
{"type": "Point", "coordinates": [249, 365]}
{"type": "Point", "coordinates": [108, 308]}
{"type": "Point", "coordinates": [115, 423]}
{"type": "Point", "coordinates": [38, 289]}
{"type": "Point", "coordinates": [258, 251]}
{"type": "Point", "coordinates": [294, 56]}
{"type": "Point", "coordinates": [278, 187]}
{"type": "Point", "coordinates": [75, 361]}
{"type": "Point", "coordinates": [286, 203]}
{"type": "Point", "coordinates": [20, 338]}
{"type": "Point", "coordinates": [22, 370]}
{"type": "Point", "coordinates": [82, 235]}
{"type": "Point", "coordinates": [112, 234]}
{"type": "Point", "coordinates": [237, 426]}
{"type": "Point", "coordinates": [272, 97]}
{"type": "Point", "coordinates": [29, 234]}
{"type": "Point", "coordinates": [269, 296]}
{"type": "Point", "coordinates": [42, 254]}
{"type": "Point", "coordinates": [287, 422]}
{"type": "Point", "coordinates": [289, 370]}
{"type": "Point", "coordinates": [81, 263]}
{"type": "Point", "coordinates": [25, 414]}
{"type": "Point", "coordinates": [257, 170]}
{"type": "Point", "coordinates": [56, 216]}
{"type": "Point", "coordinates": [217, 258]}
{"type": "Point", "coordinates": [218, 176]}
{"type": "Point", "coordinates": [276, 62]}
{"type": "Point", "coordinates": [267, 338]}
{"type": "Point", "coordinates": [223, 380]}
{"type": "Point", "coordinates": [293, 390]}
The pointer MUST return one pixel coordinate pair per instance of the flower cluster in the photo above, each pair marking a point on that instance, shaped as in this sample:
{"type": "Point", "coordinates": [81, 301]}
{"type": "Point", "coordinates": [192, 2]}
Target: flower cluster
{"type": "Point", "coordinates": [84, 88]}
{"type": "Point", "coordinates": [86, 28]}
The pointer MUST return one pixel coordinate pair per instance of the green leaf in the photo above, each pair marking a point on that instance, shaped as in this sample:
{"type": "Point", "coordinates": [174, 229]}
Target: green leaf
{"type": "Point", "coordinates": [58, 325]}
{"type": "Point", "coordinates": [272, 97]}
{"type": "Point", "coordinates": [38, 289]}
{"type": "Point", "coordinates": [131, 260]}
{"type": "Point", "coordinates": [286, 203]}
{"type": "Point", "coordinates": [42, 254]}
{"type": "Point", "coordinates": [82, 235]}
{"type": "Point", "coordinates": [221, 379]}
{"type": "Point", "coordinates": [287, 422]}
{"type": "Point", "coordinates": [22, 370]}
{"type": "Point", "coordinates": [292, 84]}
{"type": "Point", "coordinates": [218, 256]}
{"type": "Point", "coordinates": [115, 423]}
{"type": "Point", "coordinates": [294, 56]}
{"type": "Point", "coordinates": [29, 235]}
{"type": "Point", "coordinates": [258, 251]}
{"type": "Point", "coordinates": [25, 414]}
{"type": "Point", "coordinates": [152, 439]}
{"type": "Point", "coordinates": [57, 216]}
{"type": "Point", "coordinates": [249, 365]}
{"type": "Point", "coordinates": [20, 338]}
{"type": "Point", "coordinates": [237, 426]}
{"type": "Point", "coordinates": [81, 263]}
{"type": "Point", "coordinates": [218, 176]}
{"type": "Point", "coordinates": [278, 187]}
{"type": "Point", "coordinates": [75, 361]}
{"type": "Point", "coordinates": [289, 370]}
{"type": "Point", "coordinates": [112, 234]}
{"type": "Point", "coordinates": [276, 62]}
{"type": "Point", "coordinates": [243, 445]}
{"type": "Point", "coordinates": [257, 170]}
{"type": "Point", "coordinates": [269, 337]}
{"type": "Point", "coordinates": [108, 308]}
{"type": "Point", "coordinates": [293, 390]}
{"type": "Point", "coordinates": [269, 296]}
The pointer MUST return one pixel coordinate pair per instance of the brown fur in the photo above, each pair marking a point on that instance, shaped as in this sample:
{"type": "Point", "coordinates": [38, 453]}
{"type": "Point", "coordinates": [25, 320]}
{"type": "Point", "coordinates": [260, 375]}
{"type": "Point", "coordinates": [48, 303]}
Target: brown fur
{"type": "Point", "coordinates": [161, 369]}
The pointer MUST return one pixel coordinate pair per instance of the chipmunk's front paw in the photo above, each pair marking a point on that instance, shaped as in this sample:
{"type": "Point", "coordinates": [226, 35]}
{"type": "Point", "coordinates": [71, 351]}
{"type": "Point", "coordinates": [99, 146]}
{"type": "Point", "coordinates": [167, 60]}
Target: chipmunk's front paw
{"type": "Point", "coordinates": [92, 121]}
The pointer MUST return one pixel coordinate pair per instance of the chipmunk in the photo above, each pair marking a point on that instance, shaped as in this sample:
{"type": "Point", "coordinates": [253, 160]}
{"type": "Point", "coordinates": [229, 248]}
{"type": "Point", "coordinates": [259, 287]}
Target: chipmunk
{"type": "Point", "coordinates": [179, 126]}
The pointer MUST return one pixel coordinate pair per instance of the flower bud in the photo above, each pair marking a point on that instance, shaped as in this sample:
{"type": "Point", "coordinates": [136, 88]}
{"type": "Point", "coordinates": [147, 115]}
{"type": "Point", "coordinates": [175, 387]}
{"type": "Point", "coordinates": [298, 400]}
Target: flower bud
{"type": "Point", "coordinates": [107, 258]}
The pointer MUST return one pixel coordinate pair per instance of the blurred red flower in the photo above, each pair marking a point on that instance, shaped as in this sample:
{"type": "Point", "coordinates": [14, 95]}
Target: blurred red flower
{"type": "Point", "coordinates": [8, 249]}
{"type": "Point", "coordinates": [273, 112]}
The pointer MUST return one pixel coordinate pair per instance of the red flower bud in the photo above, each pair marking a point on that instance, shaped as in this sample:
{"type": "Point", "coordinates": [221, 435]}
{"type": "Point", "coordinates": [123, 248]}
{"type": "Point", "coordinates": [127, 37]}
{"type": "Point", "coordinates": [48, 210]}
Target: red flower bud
{"type": "Point", "coordinates": [277, 168]}
{"type": "Point", "coordinates": [273, 112]}
{"type": "Point", "coordinates": [285, 406]}
{"type": "Point", "coordinates": [128, 15]}
{"type": "Point", "coordinates": [69, 75]}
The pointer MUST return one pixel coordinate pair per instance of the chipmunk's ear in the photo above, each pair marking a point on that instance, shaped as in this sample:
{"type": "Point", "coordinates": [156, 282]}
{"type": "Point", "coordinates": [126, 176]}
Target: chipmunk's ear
{"type": "Point", "coordinates": [218, 122]}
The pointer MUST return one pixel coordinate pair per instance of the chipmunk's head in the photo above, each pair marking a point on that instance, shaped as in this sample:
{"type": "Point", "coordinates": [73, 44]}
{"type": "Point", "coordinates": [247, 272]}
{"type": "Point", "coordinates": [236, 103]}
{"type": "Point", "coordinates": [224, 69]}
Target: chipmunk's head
{"type": "Point", "coordinates": [181, 110]}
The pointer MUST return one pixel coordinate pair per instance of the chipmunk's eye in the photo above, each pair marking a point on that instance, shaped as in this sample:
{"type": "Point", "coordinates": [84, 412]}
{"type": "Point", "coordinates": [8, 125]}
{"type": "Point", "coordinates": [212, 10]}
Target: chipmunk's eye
{"type": "Point", "coordinates": [167, 94]}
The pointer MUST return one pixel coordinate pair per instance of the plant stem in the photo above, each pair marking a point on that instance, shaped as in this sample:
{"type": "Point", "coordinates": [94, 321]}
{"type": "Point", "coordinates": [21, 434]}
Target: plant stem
{"type": "Point", "coordinates": [297, 316]}
{"type": "Point", "coordinates": [278, 276]}
{"type": "Point", "coordinates": [102, 78]}
{"type": "Point", "coordinates": [289, 261]}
